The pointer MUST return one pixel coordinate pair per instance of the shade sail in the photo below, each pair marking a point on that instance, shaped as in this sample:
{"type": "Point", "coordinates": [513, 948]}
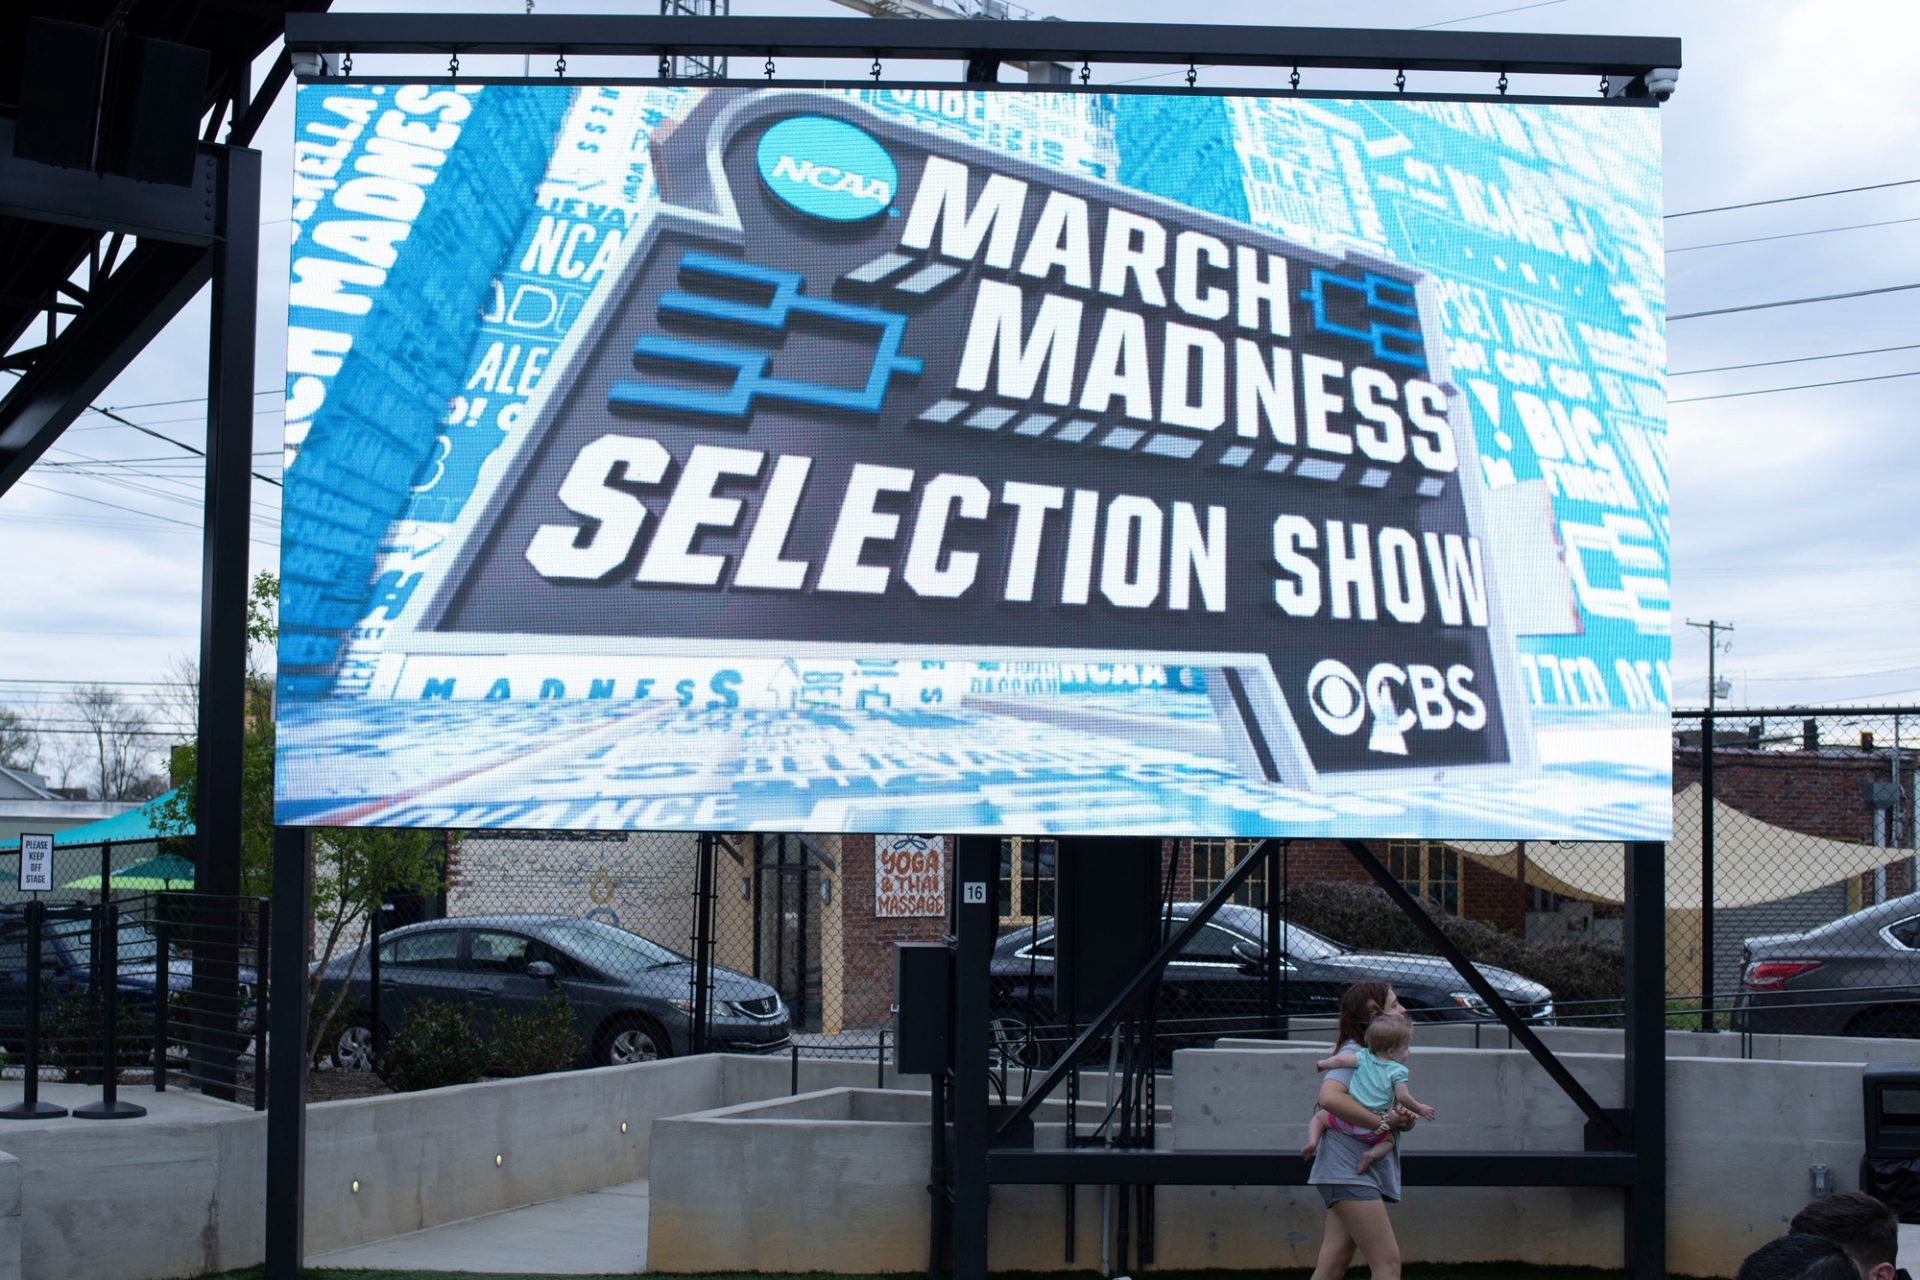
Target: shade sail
{"type": "Point", "coordinates": [134, 824]}
{"type": "Point", "coordinates": [1754, 861]}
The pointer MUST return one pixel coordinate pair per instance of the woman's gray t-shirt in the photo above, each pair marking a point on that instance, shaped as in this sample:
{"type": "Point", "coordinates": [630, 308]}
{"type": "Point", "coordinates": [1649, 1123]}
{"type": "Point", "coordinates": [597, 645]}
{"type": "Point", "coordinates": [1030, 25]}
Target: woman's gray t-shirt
{"type": "Point", "coordinates": [1337, 1161]}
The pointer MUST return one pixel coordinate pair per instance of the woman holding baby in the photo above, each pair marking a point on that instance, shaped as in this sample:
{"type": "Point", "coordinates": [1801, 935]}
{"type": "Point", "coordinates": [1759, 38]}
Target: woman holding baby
{"type": "Point", "coordinates": [1358, 1176]}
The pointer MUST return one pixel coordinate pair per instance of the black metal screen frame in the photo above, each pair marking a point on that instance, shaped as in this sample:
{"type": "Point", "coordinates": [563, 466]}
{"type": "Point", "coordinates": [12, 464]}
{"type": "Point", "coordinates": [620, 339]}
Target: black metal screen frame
{"type": "Point", "coordinates": [978, 42]}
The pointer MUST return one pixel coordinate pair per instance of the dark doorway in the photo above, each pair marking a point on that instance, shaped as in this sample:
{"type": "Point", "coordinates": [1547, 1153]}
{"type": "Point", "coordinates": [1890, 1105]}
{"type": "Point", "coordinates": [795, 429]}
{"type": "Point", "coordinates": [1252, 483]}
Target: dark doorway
{"type": "Point", "coordinates": [786, 927]}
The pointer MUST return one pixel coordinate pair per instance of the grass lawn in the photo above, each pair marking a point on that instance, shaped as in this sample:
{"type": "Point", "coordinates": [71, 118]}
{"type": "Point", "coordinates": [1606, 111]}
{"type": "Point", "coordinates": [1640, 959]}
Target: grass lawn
{"type": "Point", "coordinates": [1491, 1271]}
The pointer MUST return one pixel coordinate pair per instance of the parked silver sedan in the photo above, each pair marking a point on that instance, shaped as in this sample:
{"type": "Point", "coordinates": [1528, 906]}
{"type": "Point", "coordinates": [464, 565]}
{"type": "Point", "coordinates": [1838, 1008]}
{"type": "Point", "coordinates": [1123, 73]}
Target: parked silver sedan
{"type": "Point", "coordinates": [1857, 976]}
{"type": "Point", "coordinates": [631, 996]}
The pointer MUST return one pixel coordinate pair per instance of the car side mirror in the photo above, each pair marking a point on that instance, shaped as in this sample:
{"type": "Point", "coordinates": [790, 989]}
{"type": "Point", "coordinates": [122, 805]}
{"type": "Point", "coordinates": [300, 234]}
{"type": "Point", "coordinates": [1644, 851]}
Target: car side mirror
{"type": "Point", "coordinates": [1251, 959]}
{"type": "Point", "coordinates": [542, 969]}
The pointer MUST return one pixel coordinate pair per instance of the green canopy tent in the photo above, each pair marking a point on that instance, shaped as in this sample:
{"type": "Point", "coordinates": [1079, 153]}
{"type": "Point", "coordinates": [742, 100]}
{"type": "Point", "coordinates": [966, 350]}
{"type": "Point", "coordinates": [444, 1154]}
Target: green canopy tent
{"type": "Point", "coordinates": [166, 872]}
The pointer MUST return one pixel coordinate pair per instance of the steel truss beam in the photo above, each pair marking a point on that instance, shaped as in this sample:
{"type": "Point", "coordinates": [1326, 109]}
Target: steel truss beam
{"type": "Point", "coordinates": [1633, 1157]}
{"type": "Point", "coordinates": [106, 201]}
{"type": "Point", "coordinates": [964, 41]}
{"type": "Point", "coordinates": [121, 315]}
{"type": "Point", "coordinates": [1147, 974]}
{"type": "Point", "coordinates": [1417, 915]}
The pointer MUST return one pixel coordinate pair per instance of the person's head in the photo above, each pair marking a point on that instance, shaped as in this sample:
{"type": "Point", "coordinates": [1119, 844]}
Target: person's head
{"type": "Point", "coordinates": [1800, 1256]}
{"type": "Point", "coordinates": [1360, 1004]}
{"type": "Point", "coordinates": [1867, 1229]}
{"type": "Point", "coordinates": [1390, 1036]}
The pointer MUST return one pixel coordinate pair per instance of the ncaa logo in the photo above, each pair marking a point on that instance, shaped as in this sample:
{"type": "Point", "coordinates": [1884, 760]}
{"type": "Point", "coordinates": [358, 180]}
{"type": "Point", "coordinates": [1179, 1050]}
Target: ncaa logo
{"type": "Point", "coordinates": [826, 168]}
{"type": "Point", "coordinates": [1434, 701]}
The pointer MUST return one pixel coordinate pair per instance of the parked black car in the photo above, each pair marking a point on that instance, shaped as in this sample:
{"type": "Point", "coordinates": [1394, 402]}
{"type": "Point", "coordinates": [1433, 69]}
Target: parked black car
{"type": "Point", "coordinates": [1856, 976]}
{"type": "Point", "coordinates": [631, 997]}
{"type": "Point", "coordinates": [1217, 985]}
{"type": "Point", "coordinates": [66, 967]}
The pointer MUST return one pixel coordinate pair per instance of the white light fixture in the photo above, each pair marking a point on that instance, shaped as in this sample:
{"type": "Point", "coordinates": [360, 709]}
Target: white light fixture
{"type": "Point", "coordinates": [354, 1186]}
{"type": "Point", "coordinates": [496, 1161]}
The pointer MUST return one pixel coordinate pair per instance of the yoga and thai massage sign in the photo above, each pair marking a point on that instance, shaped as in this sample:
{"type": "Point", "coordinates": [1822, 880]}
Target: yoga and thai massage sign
{"type": "Point", "coordinates": [909, 876]}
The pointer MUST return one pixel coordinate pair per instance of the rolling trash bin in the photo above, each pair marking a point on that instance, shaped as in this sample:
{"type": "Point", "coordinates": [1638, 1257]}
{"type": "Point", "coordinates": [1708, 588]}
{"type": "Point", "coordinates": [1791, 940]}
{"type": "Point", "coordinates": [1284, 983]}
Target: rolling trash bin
{"type": "Point", "coordinates": [1890, 1168]}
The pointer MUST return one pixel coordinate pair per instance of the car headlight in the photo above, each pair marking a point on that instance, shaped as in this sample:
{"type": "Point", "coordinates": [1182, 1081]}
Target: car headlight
{"type": "Point", "coordinates": [684, 1006]}
{"type": "Point", "coordinates": [1469, 1001]}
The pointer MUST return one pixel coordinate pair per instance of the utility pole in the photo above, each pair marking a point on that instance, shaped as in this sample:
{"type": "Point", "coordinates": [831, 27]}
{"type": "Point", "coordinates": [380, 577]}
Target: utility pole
{"type": "Point", "coordinates": [1707, 975]}
{"type": "Point", "coordinates": [1713, 630]}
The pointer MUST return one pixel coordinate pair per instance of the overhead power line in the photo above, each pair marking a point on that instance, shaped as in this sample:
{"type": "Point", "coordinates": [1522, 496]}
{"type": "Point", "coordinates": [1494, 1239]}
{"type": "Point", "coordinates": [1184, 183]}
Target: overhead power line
{"type": "Point", "coordinates": [1790, 235]}
{"type": "Point", "coordinates": [1802, 386]}
{"type": "Point", "coordinates": [178, 444]}
{"type": "Point", "coordinates": [158, 404]}
{"type": "Point", "coordinates": [1811, 195]}
{"type": "Point", "coordinates": [1792, 302]}
{"type": "Point", "coordinates": [1491, 13]}
{"type": "Point", "coordinates": [1765, 364]}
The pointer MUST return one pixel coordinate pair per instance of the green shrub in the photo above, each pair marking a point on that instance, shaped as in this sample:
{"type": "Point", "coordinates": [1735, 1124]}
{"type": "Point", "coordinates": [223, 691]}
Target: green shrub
{"type": "Point", "coordinates": [1586, 978]}
{"type": "Point", "coordinates": [435, 1046]}
{"type": "Point", "coordinates": [537, 1041]}
{"type": "Point", "coordinates": [73, 1039]}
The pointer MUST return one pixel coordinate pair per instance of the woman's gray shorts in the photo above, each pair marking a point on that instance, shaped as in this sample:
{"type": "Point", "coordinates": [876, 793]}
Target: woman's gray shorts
{"type": "Point", "coordinates": [1333, 1193]}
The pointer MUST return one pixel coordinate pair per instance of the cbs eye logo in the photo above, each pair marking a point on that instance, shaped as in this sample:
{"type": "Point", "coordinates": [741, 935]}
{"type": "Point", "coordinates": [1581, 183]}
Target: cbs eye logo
{"type": "Point", "coordinates": [1435, 701]}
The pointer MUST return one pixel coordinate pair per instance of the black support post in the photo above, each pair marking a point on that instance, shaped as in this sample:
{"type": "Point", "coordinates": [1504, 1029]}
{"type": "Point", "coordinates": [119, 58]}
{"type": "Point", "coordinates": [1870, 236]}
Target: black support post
{"type": "Point", "coordinates": [377, 1033]}
{"type": "Point", "coordinates": [286, 1082]}
{"type": "Point", "coordinates": [106, 960]}
{"type": "Point", "coordinates": [977, 859]}
{"type": "Point", "coordinates": [223, 618]}
{"type": "Point", "coordinates": [30, 1107]}
{"type": "Point", "coordinates": [703, 942]}
{"type": "Point", "coordinates": [1646, 1059]}
{"type": "Point", "coordinates": [1706, 871]}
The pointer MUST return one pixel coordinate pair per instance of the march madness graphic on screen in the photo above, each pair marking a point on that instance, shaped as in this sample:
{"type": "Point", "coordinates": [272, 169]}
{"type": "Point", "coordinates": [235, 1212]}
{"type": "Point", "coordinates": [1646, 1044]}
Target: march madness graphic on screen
{"type": "Point", "coordinates": [874, 460]}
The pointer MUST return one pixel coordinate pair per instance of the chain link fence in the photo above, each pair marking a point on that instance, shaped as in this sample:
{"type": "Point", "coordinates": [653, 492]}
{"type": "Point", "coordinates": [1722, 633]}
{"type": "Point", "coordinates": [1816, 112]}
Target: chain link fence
{"type": "Point", "coordinates": [1790, 908]}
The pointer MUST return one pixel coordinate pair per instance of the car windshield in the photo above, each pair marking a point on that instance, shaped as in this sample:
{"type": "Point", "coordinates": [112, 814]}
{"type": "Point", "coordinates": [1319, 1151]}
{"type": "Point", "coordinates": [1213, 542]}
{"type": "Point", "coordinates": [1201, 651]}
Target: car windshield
{"type": "Point", "coordinates": [137, 946]}
{"type": "Point", "coordinates": [1299, 942]}
{"type": "Point", "coordinates": [605, 947]}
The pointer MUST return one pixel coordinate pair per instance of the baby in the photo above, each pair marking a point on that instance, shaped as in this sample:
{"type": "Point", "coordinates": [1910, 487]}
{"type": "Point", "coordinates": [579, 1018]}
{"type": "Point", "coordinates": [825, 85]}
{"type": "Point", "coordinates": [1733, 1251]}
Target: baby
{"type": "Point", "coordinates": [1379, 1083]}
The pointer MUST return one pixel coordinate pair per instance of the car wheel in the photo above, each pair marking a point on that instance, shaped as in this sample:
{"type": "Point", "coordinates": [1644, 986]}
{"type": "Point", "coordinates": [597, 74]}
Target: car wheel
{"type": "Point", "coordinates": [1889, 1022]}
{"type": "Point", "coordinates": [1011, 1037]}
{"type": "Point", "coordinates": [632, 1039]}
{"type": "Point", "coordinates": [353, 1050]}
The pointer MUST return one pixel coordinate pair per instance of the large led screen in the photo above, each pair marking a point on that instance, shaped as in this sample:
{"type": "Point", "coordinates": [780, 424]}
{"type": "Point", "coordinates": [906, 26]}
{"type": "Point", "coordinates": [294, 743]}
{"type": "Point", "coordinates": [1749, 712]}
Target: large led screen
{"type": "Point", "coordinates": [876, 460]}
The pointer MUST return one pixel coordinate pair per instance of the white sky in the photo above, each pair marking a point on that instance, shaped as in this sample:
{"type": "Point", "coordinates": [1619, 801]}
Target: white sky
{"type": "Point", "coordinates": [1791, 514]}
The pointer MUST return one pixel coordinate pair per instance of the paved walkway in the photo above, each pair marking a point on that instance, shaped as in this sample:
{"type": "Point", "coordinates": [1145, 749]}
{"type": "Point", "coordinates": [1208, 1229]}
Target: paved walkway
{"type": "Point", "coordinates": [599, 1233]}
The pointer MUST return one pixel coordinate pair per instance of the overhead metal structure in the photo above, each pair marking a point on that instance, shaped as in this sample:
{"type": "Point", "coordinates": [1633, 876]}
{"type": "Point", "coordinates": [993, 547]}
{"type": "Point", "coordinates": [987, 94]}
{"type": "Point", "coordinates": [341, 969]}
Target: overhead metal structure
{"type": "Point", "coordinates": [1626, 60]}
{"type": "Point", "coordinates": [125, 188]}
{"type": "Point", "coordinates": [693, 66]}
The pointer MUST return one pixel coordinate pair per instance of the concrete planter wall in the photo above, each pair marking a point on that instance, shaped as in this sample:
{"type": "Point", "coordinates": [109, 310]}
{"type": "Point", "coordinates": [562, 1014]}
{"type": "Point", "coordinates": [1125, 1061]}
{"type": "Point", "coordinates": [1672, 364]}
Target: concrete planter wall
{"type": "Point", "coordinates": [836, 1182]}
{"type": "Point", "coordinates": [745, 1178]}
{"type": "Point", "coordinates": [183, 1195]}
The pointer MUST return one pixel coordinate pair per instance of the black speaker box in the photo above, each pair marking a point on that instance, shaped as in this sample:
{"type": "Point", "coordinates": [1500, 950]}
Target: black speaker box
{"type": "Point", "coordinates": [1108, 904]}
{"type": "Point", "coordinates": [922, 1007]}
{"type": "Point", "coordinates": [60, 93]}
{"type": "Point", "coordinates": [153, 114]}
